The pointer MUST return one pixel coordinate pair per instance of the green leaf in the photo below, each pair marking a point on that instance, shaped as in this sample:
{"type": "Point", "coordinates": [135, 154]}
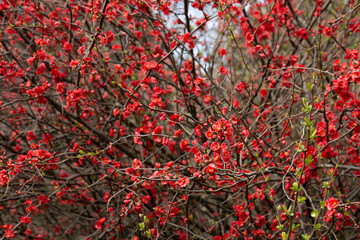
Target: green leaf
{"type": "Point", "coordinates": [294, 227]}
{"type": "Point", "coordinates": [289, 212]}
{"type": "Point", "coordinates": [309, 86]}
{"type": "Point", "coordinates": [307, 121]}
{"type": "Point", "coordinates": [148, 233]}
{"type": "Point", "coordinates": [301, 199]}
{"type": "Point", "coordinates": [315, 76]}
{"type": "Point", "coordinates": [309, 160]}
{"type": "Point", "coordinates": [305, 236]}
{"type": "Point", "coordinates": [309, 107]}
{"type": "Point", "coordinates": [142, 225]}
{"type": "Point", "coordinates": [317, 226]}
{"type": "Point", "coordinates": [312, 133]}
{"type": "Point", "coordinates": [314, 213]}
{"type": "Point", "coordinates": [304, 101]}
{"type": "Point", "coordinates": [295, 187]}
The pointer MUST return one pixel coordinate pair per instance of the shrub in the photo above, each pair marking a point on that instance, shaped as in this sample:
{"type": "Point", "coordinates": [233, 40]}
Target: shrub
{"type": "Point", "coordinates": [179, 119]}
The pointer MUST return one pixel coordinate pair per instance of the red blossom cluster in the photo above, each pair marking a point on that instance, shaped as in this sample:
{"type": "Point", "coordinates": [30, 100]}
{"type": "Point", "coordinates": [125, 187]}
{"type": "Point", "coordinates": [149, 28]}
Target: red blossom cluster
{"type": "Point", "coordinates": [175, 119]}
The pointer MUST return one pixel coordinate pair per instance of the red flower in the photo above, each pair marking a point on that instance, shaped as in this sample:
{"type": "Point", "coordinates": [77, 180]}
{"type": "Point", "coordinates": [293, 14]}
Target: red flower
{"type": "Point", "coordinates": [240, 87]}
{"type": "Point", "coordinates": [222, 52]}
{"type": "Point", "coordinates": [251, 205]}
{"type": "Point", "coordinates": [9, 233]}
{"type": "Point", "coordinates": [198, 81]}
{"type": "Point", "coordinates": [4, 178]}
{"type": "Point", "coordinates": [25, 219]}
{"type": "Point", "coordinates": [207, 99]}
{"type": "Point", "coordinates": [109, 36]}
{"type": "Point", "coordinates": [177, 133]}
{"type": "Point", "coordinates": [351, 54]}
{"type": "Point", "coordinates": [99, 223]}
{"type": "Point", "coordinates": [31, 208]}
{"type": "Point", "coordinates": [260, 220]}
{"type": "Point", "coordinates": [302, 33]}
{"type": "Point", "coordinates": [30, 136]}
{"type": "Point", "coordinates": [137, 164]}
{"type": "Point", "coordinates": [223, 70]}
{"type": "Point", "coordinates": [188, 65]}
{"type": "Point", "coordinates": [329, 215]}
{"type": "Point", "coordinates": [60, 87]}
{"type": "Point", "coordinates": [263, 93]}
{"type": "Point", "coordinates": [249, 37]}
{"type": "Point", "coordinates": [138, 34]}
{"type": "Point", "coordinates": [157, 130]}
{"type": "Point", "coordinates": [258, 48]}
{"type": "Point", "coordinates": [215, 146]}
{"type": "Point", "coordinates": [331, 203]}
{"type": "Point", "coordinates": [67, 46]}
{"type": "Point", "coordinates": [183, 182]}
{"type": "Point", "coordinates": [184, 145]}
{"type": "Point", "coordinates": [210, 168]}
{"type": "Point", "coordinates": [116, 112]}
{"type": "Point", "coordinates": [43, 199]}
{"type": "Point", "coordinates": [41, 69]}
{"type": "Point", "coordinates": [268, 154]}
{"type": "Point", "coordinates": [209, 134]}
